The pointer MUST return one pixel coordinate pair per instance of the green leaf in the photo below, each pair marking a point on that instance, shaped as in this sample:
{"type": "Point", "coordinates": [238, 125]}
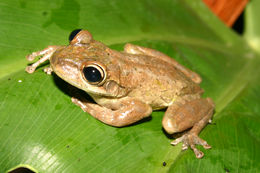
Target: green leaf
{"type": "Point", "coordinates": [252, 33]}
{"type": "Point", "coordinates": [42, 130]}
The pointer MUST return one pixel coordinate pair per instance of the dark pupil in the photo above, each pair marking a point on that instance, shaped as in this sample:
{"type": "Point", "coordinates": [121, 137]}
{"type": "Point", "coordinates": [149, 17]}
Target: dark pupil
{"type": "Point", "coordinates": [92, 74]}
{"type": "Point", "coordinates": [73, 34]}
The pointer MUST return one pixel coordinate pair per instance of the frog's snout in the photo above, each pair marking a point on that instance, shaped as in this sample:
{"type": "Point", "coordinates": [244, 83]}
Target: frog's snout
{"type": "Point", "coordinates": [66, 68]}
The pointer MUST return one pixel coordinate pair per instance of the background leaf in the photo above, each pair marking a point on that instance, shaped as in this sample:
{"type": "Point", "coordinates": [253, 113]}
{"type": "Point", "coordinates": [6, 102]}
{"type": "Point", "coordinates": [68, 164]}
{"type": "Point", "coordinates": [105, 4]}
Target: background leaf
{"type": "Point", "coordinates": [252, 33]}
{"type": "Point", "coordinates": [43, 130]}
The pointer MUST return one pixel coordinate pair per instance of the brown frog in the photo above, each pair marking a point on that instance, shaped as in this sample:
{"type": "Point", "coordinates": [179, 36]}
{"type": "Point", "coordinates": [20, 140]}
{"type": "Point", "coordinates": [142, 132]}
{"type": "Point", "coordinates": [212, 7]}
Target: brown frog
{"type": "Point", "coordinates": [127, 86]}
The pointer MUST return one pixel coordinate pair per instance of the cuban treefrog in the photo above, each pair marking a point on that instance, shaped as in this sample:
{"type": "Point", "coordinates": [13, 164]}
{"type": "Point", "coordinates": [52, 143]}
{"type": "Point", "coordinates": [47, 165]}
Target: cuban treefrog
{"type": "Point", "coordinates": [128, 85]}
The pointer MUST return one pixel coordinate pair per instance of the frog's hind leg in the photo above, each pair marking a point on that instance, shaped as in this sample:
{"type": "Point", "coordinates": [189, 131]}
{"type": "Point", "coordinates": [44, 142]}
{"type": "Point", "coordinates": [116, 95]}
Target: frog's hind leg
{"type": "Point", "coordinates": [47, 53]}
{"type": "Point", "coordinates": [134, 49]}
{"type": "Point", "coordinates": [194, 114]}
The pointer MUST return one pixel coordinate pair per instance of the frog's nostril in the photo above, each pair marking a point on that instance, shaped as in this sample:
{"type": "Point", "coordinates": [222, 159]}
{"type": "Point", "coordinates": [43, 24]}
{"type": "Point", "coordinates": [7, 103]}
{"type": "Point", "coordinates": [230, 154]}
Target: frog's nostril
{"type": "Point", "coordinates": [73, 34]}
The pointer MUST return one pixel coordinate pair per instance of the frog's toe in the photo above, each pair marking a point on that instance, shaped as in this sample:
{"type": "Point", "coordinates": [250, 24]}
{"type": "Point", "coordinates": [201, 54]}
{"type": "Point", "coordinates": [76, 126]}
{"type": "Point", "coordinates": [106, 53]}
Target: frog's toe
{"type": "Point", "coordinates": [29, 69]}
{"type": "Point", "coordinates": [199, 154]}
{"type": "Point", "coordinates": [178, 140]}
{"type": "Point", "coordinates": [31, 57]}
{"type": "Point", "coordinates": [48, 70]}
{"type": "Point", "coordinates": [191, 140]}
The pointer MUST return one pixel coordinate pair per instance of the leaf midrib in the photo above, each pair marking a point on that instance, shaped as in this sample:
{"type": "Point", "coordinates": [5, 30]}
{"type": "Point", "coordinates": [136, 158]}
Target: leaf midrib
{"type": "Point", "coordinates": [237, 85]}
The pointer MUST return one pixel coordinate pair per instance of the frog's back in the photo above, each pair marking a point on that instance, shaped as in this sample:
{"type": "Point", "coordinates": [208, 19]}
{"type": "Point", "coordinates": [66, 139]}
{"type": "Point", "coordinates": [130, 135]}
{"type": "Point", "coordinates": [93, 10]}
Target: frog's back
{"type": "Point", "coordinates": [154, 81]}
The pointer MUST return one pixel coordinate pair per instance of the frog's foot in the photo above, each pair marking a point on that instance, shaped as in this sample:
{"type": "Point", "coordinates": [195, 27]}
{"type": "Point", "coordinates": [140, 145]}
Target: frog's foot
{"type": "Point", "coordinates": [47, 53]}
{"type": "Point", "coordinates": [190, 140]}
{"type": "Point", "coordinates": [48, 70]}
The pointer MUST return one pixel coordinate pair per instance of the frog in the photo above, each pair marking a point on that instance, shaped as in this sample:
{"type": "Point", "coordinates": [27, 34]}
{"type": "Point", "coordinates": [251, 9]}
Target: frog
{"type": "Point", "coordinates": [127, 86]}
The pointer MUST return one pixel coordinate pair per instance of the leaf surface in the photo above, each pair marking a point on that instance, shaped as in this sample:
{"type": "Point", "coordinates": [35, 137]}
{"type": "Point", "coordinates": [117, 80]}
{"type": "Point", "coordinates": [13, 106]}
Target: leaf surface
{"type": "Point", "coordinates": [42, 130]}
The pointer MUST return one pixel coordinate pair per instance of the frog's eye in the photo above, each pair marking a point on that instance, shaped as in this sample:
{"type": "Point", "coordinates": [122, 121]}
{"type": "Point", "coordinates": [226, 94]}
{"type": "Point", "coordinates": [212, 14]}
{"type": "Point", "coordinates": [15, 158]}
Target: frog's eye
{"type": "Point", "coordinates": [73, 34]}
{"type": "Point", "coordinates": [79, 36]}
{"type": "Point", "coordinates": [94, 74]}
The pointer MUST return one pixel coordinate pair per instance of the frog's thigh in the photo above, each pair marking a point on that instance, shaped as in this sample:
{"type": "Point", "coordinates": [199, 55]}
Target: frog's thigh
{"type": "Point", "coordinates": [134, 49]}
{"type": "Point", "coordinates": [131, 111]}
{"type": "Point", "coordinates": [196, 113]}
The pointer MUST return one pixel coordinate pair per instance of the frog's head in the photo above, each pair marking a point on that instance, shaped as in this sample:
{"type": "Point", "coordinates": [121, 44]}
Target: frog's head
{"type": "Point", "coordinates": [86, 64]}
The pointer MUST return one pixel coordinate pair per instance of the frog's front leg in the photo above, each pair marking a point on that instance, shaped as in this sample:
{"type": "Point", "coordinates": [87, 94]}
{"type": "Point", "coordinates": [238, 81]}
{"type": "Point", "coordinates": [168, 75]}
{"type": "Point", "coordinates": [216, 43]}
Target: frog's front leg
{"type": "Point", "coordinates": [194, 114]}
{"type": "Point", "coordinates": [47, 53]}
{"type": "Point", "coordinates": [134, 49]}
{"type": "Point", "coordinates": [123, 112]}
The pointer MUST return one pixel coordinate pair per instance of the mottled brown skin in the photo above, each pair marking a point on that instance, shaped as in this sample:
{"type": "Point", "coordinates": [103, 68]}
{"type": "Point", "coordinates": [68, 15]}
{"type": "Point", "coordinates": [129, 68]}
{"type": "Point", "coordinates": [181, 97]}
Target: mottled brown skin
{"type": "Point", "coordinates": [135, 82]}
